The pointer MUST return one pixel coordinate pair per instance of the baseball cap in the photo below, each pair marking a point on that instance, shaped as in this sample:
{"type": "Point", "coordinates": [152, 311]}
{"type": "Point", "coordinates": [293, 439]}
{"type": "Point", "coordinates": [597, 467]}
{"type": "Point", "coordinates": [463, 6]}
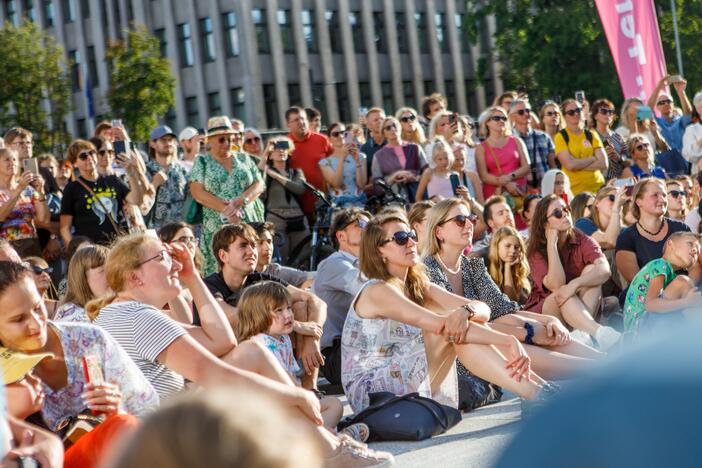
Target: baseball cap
{"type": "Point", "coordinates": [161, 131]}
{"type": "Point", "coordinates": [187, 133]}
{"type": "Point", "coordinates": [15, 365]}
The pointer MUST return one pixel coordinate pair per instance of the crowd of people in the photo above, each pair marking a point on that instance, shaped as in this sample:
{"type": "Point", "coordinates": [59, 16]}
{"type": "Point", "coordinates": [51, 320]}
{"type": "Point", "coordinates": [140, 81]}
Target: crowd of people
{"type": "Point", "coordinates": [469, 256]}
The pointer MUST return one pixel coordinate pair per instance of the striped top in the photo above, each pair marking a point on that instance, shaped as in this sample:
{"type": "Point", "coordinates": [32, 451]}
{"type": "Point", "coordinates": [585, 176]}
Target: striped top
{"type": "Point", "coordinates": [144, 332]}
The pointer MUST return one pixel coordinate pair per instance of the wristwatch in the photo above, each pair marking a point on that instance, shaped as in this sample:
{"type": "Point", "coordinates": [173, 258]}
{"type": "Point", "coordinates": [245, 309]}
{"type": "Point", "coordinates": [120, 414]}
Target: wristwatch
{"type": "Point", "coordinates": [245, 200]}
{"type": "Point", "coordinates": [469, 309]}
{"type": "Point", "coordinates": [530, 333]}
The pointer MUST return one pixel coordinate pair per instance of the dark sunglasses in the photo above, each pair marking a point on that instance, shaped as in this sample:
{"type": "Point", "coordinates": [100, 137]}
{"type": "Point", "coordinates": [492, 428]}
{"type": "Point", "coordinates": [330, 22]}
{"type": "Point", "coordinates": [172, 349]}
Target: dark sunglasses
{"type": "Point", "coordinates": [39, 270]}
{"type": "Point", "coordinates": [642, 146]}
{"type": "Point", "coordinates": [523, 111]}
{"type": "Point", "coordinates": [408, 118]}
{"type": "Point", "coordinates": [251, 141]}
{"type": "Point", "coordinates": [606, 111]}
{"type": "Point", "coordinates": [550, 113]}
{"type": "Point", "coordinates": [337, 133]}
{"type": "Point", "coordinates": [559, 212]}
{"type": "Point", "coordinates": [86, 154]}
{"type": "Point", "coordinates": [104, 152]}
{"type": "Point", "coordinates": [223, 140]}
{"type": "Point", "coordinates": [401, 238]}
{"type": "Point", "coordinates": [360, 222]}
{"type": "Point", "coordinates": [663, 102]}
{"type": "Point", "coordinates": [677, 193]}
{"type": "Point", "coordinates": [461, 220]}
{"type": "Point", "coordinates": [573, 112]}
{"type": "Point", "coordinates": [498, 118]}
{"type": "Point", "coordinates": [391, 127]}
{"type": "Point", "coordinates": [611, 197]}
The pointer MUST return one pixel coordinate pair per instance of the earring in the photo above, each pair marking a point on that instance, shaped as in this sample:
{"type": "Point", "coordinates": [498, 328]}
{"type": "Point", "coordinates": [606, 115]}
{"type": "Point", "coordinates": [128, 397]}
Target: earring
{"type": "Point", "coordinates": [385, 260]}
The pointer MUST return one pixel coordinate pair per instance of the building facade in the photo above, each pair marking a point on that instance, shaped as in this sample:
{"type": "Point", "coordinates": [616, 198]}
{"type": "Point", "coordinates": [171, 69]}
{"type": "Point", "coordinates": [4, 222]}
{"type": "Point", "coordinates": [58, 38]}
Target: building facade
{"type": "Point", "coordinates": [254, 58]}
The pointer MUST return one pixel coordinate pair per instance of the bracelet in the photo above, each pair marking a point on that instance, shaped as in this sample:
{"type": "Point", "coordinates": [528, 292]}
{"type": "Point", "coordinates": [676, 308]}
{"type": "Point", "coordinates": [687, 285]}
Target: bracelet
{"type": "Point", "coordinates": [530, 333]}
{"type": "Point", "coordinates": [469, 309]}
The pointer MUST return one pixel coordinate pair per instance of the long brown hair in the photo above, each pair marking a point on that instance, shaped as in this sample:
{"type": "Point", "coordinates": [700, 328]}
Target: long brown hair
{"type": "Point", "coordinates": [372, 265]}
{"type": "Point", "coordinates": [537, 230]}
{"type": "Point", "coordinates": [595, 212]}
{"type": "Point", "coordinates": [78, 291]}
{"type": "Point", "coordinates": [520, 271]}
{"type": "Point", "coordinates": [255, 308]}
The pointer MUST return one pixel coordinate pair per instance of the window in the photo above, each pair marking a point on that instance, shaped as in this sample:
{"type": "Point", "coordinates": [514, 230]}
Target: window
{"type": "Point", "coordinates": [85, 8]}
{"type": "Point", "coordinates": [429, 87]}
{"type": "Point", "coordinates": [261, 28]}
{"type": "Point", "coordinates": [186, 45]}
{"type": "Point", "coordinates": [334, 34]}
{"type": "Point", "coordinates": [359, 44]}
{"type": "Point", "coordinates": [105, 22]}
{"type": "Point", "coordinates": [192, 114]}
{"type": "Point", "coordinates": [381, 44]}
{"type": "Point", "coordinates": [365, 94]}
{"type": "Point", "coordinates": [170, 118]}
{"type": "Point", "coordinates": [401, 25]}
{"type": "Point", "coordinates": [271, 106]}
{"type": "Point", "coordinates": [294, 96]}
{"type": "Point", "coordinates": [11, 11]}
{"type": "Point", "coordinates": [408, 93]}
{"type": "Point", "coordinates": [163, 42]}
{"type": "Point", "coordinates": [92, 68]}
{"type": "Point", "coordinates": [207, 40]}
{"type": "Point", "coordinates": [69, 11]}
{"type": "Point", "coordinates": [451, 95]}
{"type": "Point", "coordinates": [386, 88]}
{"type": "Point", "coordinates": [29, 11]}
{"type": "Point", "coordinates": [82, 127]}
{"type": "Point", "coordinates": [74, 63]}
{"type": "Point", "coordinates": [48, 13]}
{"type": "Point", "coordinates": [230, 34]}
{"type": "Point", "coordinates": [342, 98]}
{"type": "Point", "coordinates": [308, 29]}
{"type": "Point", "coordinates": [238, 103]}
{"type": "Point", "coordinates": [422, 38]}
{"type": "Point", "coordinates": [441, 31]}
{"type": "Point", "coordinates": [214, 105]}
{"type": "Point", "coordinates": [286, 36]}
{"type": "Point", "coordinates": [463, 39]}
{"type": "Point", "coordinates": [318, 99]}
{"type": "Point", "coordinates": [471, 98]}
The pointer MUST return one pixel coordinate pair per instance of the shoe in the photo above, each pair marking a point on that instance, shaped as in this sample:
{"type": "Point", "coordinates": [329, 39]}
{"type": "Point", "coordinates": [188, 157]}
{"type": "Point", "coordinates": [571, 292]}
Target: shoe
{"type": "Point", "coordinates": [581, 337]}
{"type": "Point", "coordinates": [358, 432]}
{"type": "Point", "coordinates": [352, 454]}
{"type": "Point", "coordinates": [548, 391]}
{"type": "Point", "coordinates": [607, 337]}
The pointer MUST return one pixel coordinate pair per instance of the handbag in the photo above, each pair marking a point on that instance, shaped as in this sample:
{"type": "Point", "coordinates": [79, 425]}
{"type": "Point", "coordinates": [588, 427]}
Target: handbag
{"type": "Point", "coordinates": [192, 210]}
{"type": "Point", "coordinates": [72, 428]}
{"type": "Point", "coordinates": [118, 230]}
{"type": "Point", "coordinates": [407, 417]}
{"type": "Point", "coordinates": [515, 202]}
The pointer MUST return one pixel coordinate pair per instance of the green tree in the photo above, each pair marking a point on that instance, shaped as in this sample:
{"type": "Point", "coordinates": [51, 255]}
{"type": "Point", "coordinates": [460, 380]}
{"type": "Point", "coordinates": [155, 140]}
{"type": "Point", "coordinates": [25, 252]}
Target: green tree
{"type": "Point", "coordinates": [36, 89]}
{"type": "Point", "coordinates": [690, 32]}
{"type": "Point", "coordinates": [142, 85]}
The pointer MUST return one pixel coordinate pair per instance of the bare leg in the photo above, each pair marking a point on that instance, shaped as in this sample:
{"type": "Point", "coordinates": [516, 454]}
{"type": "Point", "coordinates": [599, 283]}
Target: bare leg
{"type": "Point", "coordinates": [574, 313]}
{"type": "Point", "coordinates": [332, 410]}
{"type": "Point", "coordinates": [309, 381]}
{"type": "Point", "coordinates": [592, 298]}
{"type": "Point", "coordinates": [552, 365]}
{"type": "Point", "coordinates": [575, 348]}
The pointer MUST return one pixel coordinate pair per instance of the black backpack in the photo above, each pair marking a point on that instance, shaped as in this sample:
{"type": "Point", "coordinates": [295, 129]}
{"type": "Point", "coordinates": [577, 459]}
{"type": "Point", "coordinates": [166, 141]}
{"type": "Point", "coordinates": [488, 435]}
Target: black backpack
{"type": "Point", "coordinates": [566, 138]}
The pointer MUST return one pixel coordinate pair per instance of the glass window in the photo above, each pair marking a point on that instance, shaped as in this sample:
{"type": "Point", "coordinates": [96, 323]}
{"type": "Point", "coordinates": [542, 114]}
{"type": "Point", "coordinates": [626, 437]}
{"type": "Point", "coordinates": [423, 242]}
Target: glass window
{"type": "Point", "coordinates": [471, 98]}
{"type": "Point", "coordinates": [408, 93]}
{"type": "Point", "coordinates": [319, 100]}
{"type": "Point", "coordinates": [163, 43]}
{"type": "Point", "coordinates": [238, 103]}
{"type": "Point", "coordinates": [422, 38]}
{"type": "Point", "coordinates": [365, 94]}
{"type": "Point", "coordinates": [69, 11]}
{"type": "Point", "coordinates": [191, 112]}
{"type": "Point", "coordinates": [286, 36]}
{"type": "Point", "coordinates": [11, 11]}
{"type": "Point", "coordinates": [29, 11]}
{"type": "Point", "coordinates": [74, 61]}
{"type": "Point", "coordinates": [207, 40]}
{"type": "Point", "coordinates": [359, 44]}
{"type": "Point", "coordinates": [169, 119]}
{"type": "Point", "coordinates": [92, 68]}
{"type": "Point", "coordinates": [85, 8]}
{"type": "Point", "coordinates": [261, 28]}
{"type": "Point", "coordinates": [271, 106]}
{"type": "Point", "coordinates": [48, 13]}
{"type": "Point", "coordinates": [441, 31]}
{"type": "Point", "coordinates": [294, 95]}
{"type": "Point", "coordinates": [429, 87]}
{"type": "Point", "coordinates": [214, 104]}
{"type": "Point", "coordinates": [463, 39]}
{"type": "Point", "coordinates": [342, 98]}
{"type": "Point", "coordinates": [451, 95]}
{"type": "Point", "coordinates": [185, 45]}
{"type": "Point", "coordinates": [386, 88]}
{"type": "Point", "coordinates": [381, 44]}
{"type": "Point", "coordinates": [332, 18]}
{"type": "Point", "coordinates": [230, 34]}
{"type": "Point", "coordinates": [308, 29]}
{"type": "Point", "coordinates": [401, 24]}
{"type": "Point", "coordinates": [82, 127]}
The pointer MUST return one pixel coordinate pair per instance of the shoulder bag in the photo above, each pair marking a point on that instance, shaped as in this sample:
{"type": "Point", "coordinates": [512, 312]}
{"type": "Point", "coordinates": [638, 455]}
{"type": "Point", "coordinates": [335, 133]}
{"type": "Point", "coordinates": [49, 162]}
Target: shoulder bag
{"type": "Point", "coordinates": [118, 230]}
{"type": "Point", "coordinates": [192, 210]}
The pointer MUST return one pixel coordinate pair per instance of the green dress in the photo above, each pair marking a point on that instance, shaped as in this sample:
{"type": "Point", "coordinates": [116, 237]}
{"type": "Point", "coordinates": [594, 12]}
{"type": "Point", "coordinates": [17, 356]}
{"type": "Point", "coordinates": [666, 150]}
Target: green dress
{"type": "Point", "coordinates": [635, 304]}
{"type": "Point", "coordinates": [227, 186]}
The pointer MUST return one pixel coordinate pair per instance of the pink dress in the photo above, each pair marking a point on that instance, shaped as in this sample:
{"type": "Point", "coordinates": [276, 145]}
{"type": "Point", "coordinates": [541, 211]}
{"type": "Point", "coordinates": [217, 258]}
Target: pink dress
{"type": "Point", "coordinates": [508, 157]}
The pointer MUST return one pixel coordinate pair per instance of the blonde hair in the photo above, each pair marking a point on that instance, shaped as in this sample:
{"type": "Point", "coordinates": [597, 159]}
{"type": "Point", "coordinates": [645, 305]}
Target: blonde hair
{"type": "Point", "coordinates": [282, 138]}
{"type": "Point", "coordinates": [372, 265]}
{"type": "Point", "coordinates": [485, 117]}
{"type": "Point", "coordinates": [435, 121]}
{"type": "Point", "coordinates": [430, 244]}
{"type": "Point", "coordinates": [414, 136]}
{"type": "Point", "coordinates": [255, 308]}
{"type": "Point", "coordinates": [78, 291]}
{"type": "Point", "coordinates": [640, 190]}
{"type": "Point", "coordinates": [623, 117]}
{"type": "Point", "coordinates": [438, 143]}
{"type": "Point", "coordinates": [632, 143]}
{"type": "Point", "coordinates": [520, 271]}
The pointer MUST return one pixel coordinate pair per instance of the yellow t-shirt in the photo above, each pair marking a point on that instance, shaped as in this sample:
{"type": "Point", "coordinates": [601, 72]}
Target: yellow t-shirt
{"type": "Point", "coordinates": [580, 147]}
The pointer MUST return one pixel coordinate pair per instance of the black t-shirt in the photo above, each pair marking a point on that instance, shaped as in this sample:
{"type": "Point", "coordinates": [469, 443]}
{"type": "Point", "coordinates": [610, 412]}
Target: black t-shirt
{"type": "Point", "coordinates": [646, 250]}
{"type": "Point", "coordinates": [89, 217]}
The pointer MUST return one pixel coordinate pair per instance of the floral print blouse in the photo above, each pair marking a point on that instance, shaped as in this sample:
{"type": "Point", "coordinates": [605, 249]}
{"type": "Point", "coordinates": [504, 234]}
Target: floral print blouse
{"type": "Point", "coordinates": [282, 350]}
{"type": "Point", "coordinates": [170, 196]}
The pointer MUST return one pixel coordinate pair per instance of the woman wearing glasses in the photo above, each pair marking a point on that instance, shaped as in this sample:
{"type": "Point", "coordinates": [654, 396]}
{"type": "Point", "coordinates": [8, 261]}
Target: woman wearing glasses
{"type": "Point", "coordinates": [551, 119]}
{"type": "Point", "coordinates": [644, 164]}
{"type": "Point", "coordinates": [631, 122]}
{"type": "Point", "coordinates": [253, 144]}
{"type": "Point", "coordinates": [92, 205]}
{"type": "Point", "coordinates": [227, 184]}
{"type": "Point", "coordinates": [345, 170]}
{"type": "Point", "coordinates": [603, 222]}
{"type": "Point", "coordinates": [580, 151]}
{"type": "Point", "coordinates": [568, 269]}
{"type": "Point", "coordinates": [412, 131]}
{"type": "Point", "coordinates": [602, 114]}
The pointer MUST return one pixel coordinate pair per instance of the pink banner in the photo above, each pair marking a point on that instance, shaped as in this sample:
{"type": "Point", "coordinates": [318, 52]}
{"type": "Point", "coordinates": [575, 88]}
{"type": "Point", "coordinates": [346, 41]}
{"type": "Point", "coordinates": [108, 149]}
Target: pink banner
{"type": "Point", "coordinates": [632, 31]}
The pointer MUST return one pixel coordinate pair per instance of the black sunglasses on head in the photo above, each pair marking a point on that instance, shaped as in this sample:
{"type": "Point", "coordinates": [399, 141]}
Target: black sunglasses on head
{"type": "Point", "coordinates": [558, 213]}
{"type": "Point", "coordinates": [461, 220]}
{"type": "Point", "coordinates": [401, 238]}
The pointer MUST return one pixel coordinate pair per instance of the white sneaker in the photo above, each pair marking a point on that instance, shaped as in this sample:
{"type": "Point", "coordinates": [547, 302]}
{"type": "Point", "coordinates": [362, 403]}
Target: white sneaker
{"type": "Point", "coordinates": [581, 337]}
{"type": "Point", "coordinates": [607, 337]}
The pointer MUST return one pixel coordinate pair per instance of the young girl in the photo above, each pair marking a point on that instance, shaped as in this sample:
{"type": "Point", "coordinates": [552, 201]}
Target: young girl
{"type": "Point", "coordinates": [266, 318]}
{"type": "Point", "coordinates": [508, 266]}
{"type": "Point", "coordinates": [436, 181]}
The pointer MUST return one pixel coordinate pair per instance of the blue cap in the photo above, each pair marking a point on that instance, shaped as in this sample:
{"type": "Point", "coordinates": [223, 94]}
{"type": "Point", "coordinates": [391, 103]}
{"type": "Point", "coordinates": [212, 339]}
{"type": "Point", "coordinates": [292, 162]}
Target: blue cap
{"type": "Point", "coordinates": [160, 132]}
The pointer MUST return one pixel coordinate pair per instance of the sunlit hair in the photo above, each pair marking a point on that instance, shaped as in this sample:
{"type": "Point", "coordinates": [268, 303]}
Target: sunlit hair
{"type": "Point", "coordinates": [438, 145]}
{"type": "Point", "coordinates": [578, 204]}
{"type": "Point", "coordinates": [602, 193]}
{"type": "Point", "coordinates": [487, 115]}
{"type": "Point", "coordinates": [371, 261]}
{"type": "Point", "coordinates": [78, 290]}
{"type": "Point", "coordinates": [435, 122]}
{"type": "Point", "coordinates": [416, 135]}
{"type": "Point", "coordinates": [430, 244]}
{"type": "Point", "coordinates": [227, 234]}
{"type": "Point", "coordinates": [537, 230]}
{"type": "Point", "coordinates": [520, 271]}
{"type": "Point", "coordinates": [464, 121]}
{"type": "Point", "coordinates": [636, 139]}
{"type": "Point", "coordinates": [418, 212]}
{"type": "Point", "coordinates": [282, 138]}
{"type": "Point", "coordinates": [389, 120]}
{"type": "Point", "coordinates": [16, 133]}
{"type": "Point", "coordinates": [552, 104]}
{"type": "Point", "coordinates": [255, 134]}
{"type": "Point", "coordinates": [255, 308]}
{"type": "Point", "coordinates": [11, 273]}
{"type": "Point", "coordinates": [623, 117]}
{"type": "Point", "coordinates": [77, 147]}
{"type": "Point", "coordinates": [501, 98]}
{"type": "Point", "coordinates": [428, 101]}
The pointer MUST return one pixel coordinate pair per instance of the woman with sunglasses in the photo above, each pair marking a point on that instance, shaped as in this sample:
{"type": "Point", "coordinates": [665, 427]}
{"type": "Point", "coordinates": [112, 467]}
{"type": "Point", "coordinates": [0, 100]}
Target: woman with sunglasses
{"type": "Point", "coordinates": [41, 273]}
{"type": "Point", "coordinates": [399, 163]}
{"type": "Point", "coordinates": [551, 119]}
{"type": "Point", "coordinates": [630, 122]}
{"type": "Point", "coordinates": [580, 151]}
{"type": "Point", "coordinates": [345, 170]}
{"type": "Point", "coordinates": [226, 183]}
{"type": "Point", "coordinates": [568, 270]}
{"type": "Point", "coordinates": [603, 115]}
{"type": "Point", "coordinates": [253, 144]}
{"type": "Point", "coordinates": [644, 164]}
{"type": "Point", "coordinates": [502, 159]}
{"type": "Point", "coordinates": [92, 205]}
{"type": "Point", "coordinates": [677, 200]}
{"type": "Point", "coordinates": [412, 131]}
{"type": "Point", "coordinates": [425, 326]}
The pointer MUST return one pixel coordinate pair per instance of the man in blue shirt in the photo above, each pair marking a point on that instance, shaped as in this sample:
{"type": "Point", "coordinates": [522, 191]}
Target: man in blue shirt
{"type": "Point", "coordinates": [542, 153]}
{"type": "Point", "coordinates": [672, 126]}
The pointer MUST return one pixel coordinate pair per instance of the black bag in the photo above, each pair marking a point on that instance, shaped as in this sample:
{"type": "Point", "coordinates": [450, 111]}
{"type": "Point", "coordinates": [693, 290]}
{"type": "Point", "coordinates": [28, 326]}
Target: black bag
{"type": "Point", "coordinates": [295, 224]}
{"type": "Point", "coordinates": [408, 417]}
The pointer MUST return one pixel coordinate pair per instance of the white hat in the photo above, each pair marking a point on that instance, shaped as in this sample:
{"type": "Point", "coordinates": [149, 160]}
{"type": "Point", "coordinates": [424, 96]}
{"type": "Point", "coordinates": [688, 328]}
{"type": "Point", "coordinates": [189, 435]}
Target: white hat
{"type": "Point", "coordinates": [187, 133]}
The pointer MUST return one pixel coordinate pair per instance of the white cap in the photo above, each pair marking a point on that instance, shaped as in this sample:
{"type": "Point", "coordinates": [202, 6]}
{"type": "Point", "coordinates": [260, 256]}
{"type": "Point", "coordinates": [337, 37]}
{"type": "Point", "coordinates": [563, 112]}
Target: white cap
{"type": "Point", "coordinates": [187, 133]}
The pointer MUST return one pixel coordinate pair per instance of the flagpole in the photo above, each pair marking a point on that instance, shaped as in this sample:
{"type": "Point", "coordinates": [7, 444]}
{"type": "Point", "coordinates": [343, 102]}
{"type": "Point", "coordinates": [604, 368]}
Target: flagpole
{"type": "Point", "coordinates": [677, 38]}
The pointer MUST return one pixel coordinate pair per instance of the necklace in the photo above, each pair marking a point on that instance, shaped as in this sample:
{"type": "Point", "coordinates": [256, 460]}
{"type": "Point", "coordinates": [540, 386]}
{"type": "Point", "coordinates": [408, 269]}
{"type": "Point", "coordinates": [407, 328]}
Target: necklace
{"type": "Point", "coordinates": [652, 234]}
{"type": "Point", "coordinates": [448, 270]}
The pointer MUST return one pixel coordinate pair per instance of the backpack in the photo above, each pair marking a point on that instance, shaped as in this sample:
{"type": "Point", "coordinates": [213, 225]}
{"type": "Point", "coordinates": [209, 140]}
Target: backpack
{"type": "Point", "coordinates": [566, 138]}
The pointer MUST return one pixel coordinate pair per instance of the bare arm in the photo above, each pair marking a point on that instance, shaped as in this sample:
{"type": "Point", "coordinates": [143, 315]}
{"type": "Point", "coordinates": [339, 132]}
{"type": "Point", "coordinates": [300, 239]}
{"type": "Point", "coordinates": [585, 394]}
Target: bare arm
{"type": "Point", "coordinates": [608, 238]}
{"type": "Point", "coordinates": [447, 300]}
{"type": "Point", "coordinates": [595, 276]}
{"type": "Point", "coordinates": [423, 182]}
{"type": "Point", "coordinates": [65, 222]}
{"type": "Point", "coordinates": [574, 164]}
{"type": "Point", "coordinates": [179, 310]}
{"type": "Point", "coordinates": [205, 198]}
{"type": "Point", "coordinates": [627, 264]}
{"type": "Point", "coordinates": [335, 178]}
{"type": "Point", "coordinates": [555, 277]}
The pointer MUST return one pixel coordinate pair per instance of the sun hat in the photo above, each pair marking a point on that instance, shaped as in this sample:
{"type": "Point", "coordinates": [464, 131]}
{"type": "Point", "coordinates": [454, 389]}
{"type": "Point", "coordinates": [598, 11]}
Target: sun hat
{"type": "Point", "coordinates": [15, 365]}
{"type": "Point", "coordinates": [220, 125]}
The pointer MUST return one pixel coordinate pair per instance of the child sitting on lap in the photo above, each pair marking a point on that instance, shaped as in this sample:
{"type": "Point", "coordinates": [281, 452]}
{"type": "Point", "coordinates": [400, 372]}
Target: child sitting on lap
{"type": "Point", "coordinates": [656, 289]}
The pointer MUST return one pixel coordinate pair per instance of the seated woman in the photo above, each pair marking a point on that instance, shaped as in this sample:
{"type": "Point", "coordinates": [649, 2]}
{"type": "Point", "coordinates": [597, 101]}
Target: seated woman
{"type": "Point", "coordinates": [41, 272]}
{"type": "Point", "coordinates": [556, 181]}
{"type": "Point", "coordinates": [24, 327]}
{"type": "Point", "coordinates": [86, 281]}
{"type": "Point", "coordinates": [179, 231]}
{"type": "Point", "coordinates": [425, 326]}
{"type": "Point", "coordinates": [603, 222]}
{"type": "Point", "coordinates": [580, 205]}
{"type": "Point", "coordinates": [507, 264]}
{"type": "Point", "coordinates": [417, 217]}
{"type": "Point", "coordinates": [642, 157]}
{"type": "Point", "coordinates": [568, 269]}
{"type": "Point", "coordinates": [436, 181]}
{"type": "Point", "coordinates": [143, 276]}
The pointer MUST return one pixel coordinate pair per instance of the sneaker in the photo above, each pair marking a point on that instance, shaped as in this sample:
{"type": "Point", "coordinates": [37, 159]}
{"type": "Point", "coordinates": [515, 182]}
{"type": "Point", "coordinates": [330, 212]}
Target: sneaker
{"type": "Point", "coordinates": [351, 454]}
{"type": "Point", "coordinates": [607, 337]}
{"type": "Point", "coordinates": [581, 337]}
{"type": "Point", "coordinates": [358, 432]}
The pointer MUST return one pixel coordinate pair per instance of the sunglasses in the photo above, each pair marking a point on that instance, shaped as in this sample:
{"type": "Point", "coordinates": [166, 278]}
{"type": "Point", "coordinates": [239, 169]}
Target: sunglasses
{"type": "Point", "coordinates": [677, 193]}
{"type": "Point", "coordinates": [251, 141]}
{"type": "Point", "coordinates": [401, 238]}
{"type": "Point", "coordinates": [663, 102]}
{"type": "Point", "coordinates": [642, 146]}
{"type": "Point", "coordinates": [573, 112]}
{"type": "Point", "coordinates": [188, 240]}
{"type": "Point", "coordinates": [391, 127]}
{"type": "Point", "coordinates": [498, 118]}
{"type": "Point", "coordinates": [360, 222]}
{"type": "Point", "coordinates": [337, 133]}
{"type": "Point", "coordinates": [39, 270]}
{"type": "Point", "coordinates": [550, 113]}
{"type": "Point", "coordinates": [104, 152]}
{"type": "Point", "coordinates": [611, 197]}
{"type": "Point", "coordinates": [163, 256]}
{"type": "Point", "coordinates": [606, 111]}
{"type": "Point", "coordinates": [523, 111]}
{"type": "Point", "coordinates": [461, 220]}
{"type": "Point", "coordinates": [224, 139]}
{"type": "Point", "coordinates": [558, 213]}
{"type": "Point", "coordinates": [408, 118]}
{"type": "Point", "coordinates": [86, 154]}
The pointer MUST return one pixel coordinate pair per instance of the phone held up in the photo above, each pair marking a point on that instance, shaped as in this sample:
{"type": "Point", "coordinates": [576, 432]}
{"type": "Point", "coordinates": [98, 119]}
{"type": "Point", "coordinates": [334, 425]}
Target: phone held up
{"type": "Point", "coordinates": [282, 145]}
{"type": "Point", "coordinates": [580, 96]}
{"type": "Point", "coordinates": [644, 113]}
{"type": "Point", "coordinates": [31, 165]}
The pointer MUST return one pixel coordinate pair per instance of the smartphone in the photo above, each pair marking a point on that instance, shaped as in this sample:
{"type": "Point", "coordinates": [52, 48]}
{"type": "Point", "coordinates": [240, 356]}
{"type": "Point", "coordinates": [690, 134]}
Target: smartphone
{"type": "Point", "coordinates": [455, 182]}
{"type": "Point", "coordinates": [629, 182]}
{"type": "Point", "coordinates": [117, 122]}
{"type": "Point", "coordinates": [674, 79]}
{"type": "Point", "coordinates": [120, 146]}
{"type": "Point", "coordinates": [362, 111]}
{"type": "Point", "coordinates": [348, 138]}
{"type": "Point", "coordinates": [281, 145]}
{"type": "Point", "coordinates": [31, 165]}
{"type": "Point", "coordinates": [629, 190]}
{"type": "Point", "coordinates": [644, 113]}
{"type": "Point", "coordinates": [580, 96]}
{"type": "Point", "coordinates": [453, 118]}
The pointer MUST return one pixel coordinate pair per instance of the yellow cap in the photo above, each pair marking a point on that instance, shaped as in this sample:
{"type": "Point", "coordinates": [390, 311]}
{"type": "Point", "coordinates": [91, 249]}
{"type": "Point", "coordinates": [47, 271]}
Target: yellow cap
{"type": "Point", "coordinates": [15, 365]}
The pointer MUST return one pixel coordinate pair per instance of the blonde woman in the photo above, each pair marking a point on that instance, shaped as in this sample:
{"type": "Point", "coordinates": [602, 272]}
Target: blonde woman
{"type": "Point", "coordinates": [411, 129]}
{"type": "Point", "coordinates": [508, 265]}
{"type": "Point", "coordinates": [644, 162]}
{"type": "Point", "coordinates": [551, 119]}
